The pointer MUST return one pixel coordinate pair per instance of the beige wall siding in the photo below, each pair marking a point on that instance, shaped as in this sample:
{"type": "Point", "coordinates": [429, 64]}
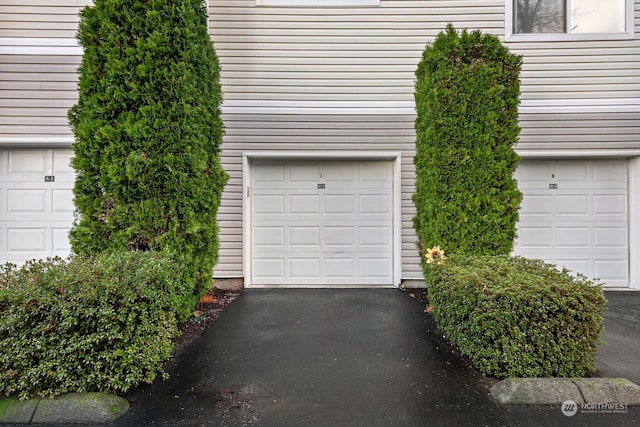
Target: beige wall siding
{"type": "Point", "coordinates": [40, 18]}
{"type": "Point", "coordinates": [343, 59]}
{"type": "Point", "coordinates": [35, 93]}
{"type": "Point", "coordinates": [334, 53]}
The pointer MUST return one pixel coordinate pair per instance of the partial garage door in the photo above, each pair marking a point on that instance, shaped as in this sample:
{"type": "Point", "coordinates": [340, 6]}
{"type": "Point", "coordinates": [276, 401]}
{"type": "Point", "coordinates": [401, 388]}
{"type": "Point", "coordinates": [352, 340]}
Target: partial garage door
{"type": "Point", "coordinates": [36, 204]}
{"type": "Point", "coordinates": [574, 214]}
{"type": "Point", "coordinates": [321, 223]}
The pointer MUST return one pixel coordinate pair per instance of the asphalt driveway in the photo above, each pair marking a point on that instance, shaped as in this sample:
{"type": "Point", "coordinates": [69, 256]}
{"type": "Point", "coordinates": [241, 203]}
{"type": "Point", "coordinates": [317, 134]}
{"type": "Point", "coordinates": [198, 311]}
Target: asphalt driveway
{"type": "Point", "coordinates": [348, 357]}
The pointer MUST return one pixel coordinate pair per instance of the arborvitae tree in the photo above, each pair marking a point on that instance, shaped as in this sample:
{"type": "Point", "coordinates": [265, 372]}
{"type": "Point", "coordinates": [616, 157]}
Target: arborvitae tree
{"type": "Point", "coordinates": [467, 94]}
{"type": "Point", "coordinates": [148, 134]}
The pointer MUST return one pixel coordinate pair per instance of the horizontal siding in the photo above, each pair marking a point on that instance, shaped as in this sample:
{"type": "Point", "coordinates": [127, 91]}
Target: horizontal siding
{"type": "Point", "coordinates": [327, 53]}
{"type": "Point", "coordinates": [616, 131]}
{"type": "Point", "coordinates": [36, 93]}
{"type": "Point", "coordinates": [40, 18]}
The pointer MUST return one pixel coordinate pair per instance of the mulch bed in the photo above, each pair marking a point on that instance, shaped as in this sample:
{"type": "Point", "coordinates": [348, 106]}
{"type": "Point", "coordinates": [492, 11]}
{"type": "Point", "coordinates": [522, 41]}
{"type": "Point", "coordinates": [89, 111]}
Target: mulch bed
{"type": "Point", "coordinates": [207, 311]}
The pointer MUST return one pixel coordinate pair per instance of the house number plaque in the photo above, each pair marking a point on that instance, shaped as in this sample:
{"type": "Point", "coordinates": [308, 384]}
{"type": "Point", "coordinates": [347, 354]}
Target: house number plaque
{"type": "Point", "coordinates": [320, 186]}
{"type": "Point", "coordinates": [553, 186]}
{"type": "Point", "coordinates": [49, 178]}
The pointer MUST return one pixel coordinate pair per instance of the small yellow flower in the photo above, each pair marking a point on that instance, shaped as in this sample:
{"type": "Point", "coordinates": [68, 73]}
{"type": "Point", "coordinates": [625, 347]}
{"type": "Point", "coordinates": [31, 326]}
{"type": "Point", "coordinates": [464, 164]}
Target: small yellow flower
{"type": "Point", "coordinates": [435, 255]}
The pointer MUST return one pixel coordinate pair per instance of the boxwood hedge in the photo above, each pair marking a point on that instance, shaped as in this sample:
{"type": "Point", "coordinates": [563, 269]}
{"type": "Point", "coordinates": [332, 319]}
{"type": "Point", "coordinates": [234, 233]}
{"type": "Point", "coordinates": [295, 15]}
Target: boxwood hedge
{"type": "Point", "coordinates": [93, 324]}
{"type": "Point", "coordinates": [515, 317]}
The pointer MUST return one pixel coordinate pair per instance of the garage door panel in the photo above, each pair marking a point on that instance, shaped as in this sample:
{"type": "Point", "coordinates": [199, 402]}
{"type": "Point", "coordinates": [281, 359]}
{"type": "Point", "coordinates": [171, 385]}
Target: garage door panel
{"type": "Point", "coordinates": [35, 215]}
{"type": "Point", "coordinates": [62, 201]}
{"type": "Point", "coordinates": [373, 267]}
{"type": "Point", "coordinates": [269, 173]}
{"type": "Point", "coordinates": [375, 236]}
{"type": "Point", "coordinates": [573, 237]}
{"type": "Point", "coordinates": [344, 268]}
{"type": "Point", "coordinates": [268, 204]}
{"type": "Point", "coordinates": [60, 240]}
{"type": "Point", "coordinates": [332, 222]}
{"type": "Point", "coordinates": [572, 204]}
{"type": "Point", "coordinates": [269, 268]}
{"type": "Point", "coordinates": [26, 201]}
{"type": "Point", "coordinates": [573, 173]}
{"type": "Point", "coordinates": [610, 204]}
{"type": "Point", "coordinates": [340, 204]}
{"type": "Point", "coordinates": [268, 236]}
{"type": "Point", "coordinates": [576, 217]}
{"type": "Point", "coordinates": [614, 270]}
{"type": "Point", "coordinates": [612, 173]}
{"type": "Point", "coordinates": [338, 173]}
{"type": "Point", "coordinates": [29, 240]}
{"type": "Point", "coordinates": [304, 268]}
{"type": "Point", "coordinates": [535, 237]}
{"type": "Point", "coordinates": [305, 236]}
{"type": "Point", "coordinates": [575, 265]}
{"type": "Point", "coordinates": [62, 164]}
{"type": "Point", "coordinates": [610, 237]}
{"type": "Point", "coordinates": [303, 204]}
{"type": "Point", "coordinates": [536, 204]}
{"type": "Point", "coordinates": [340, 236]}
{"type": "Point", "coordinates": [27, 162]}
{"type": "Point", "coordinates": [306, 172]}
{"type": "Point", "coordinates": [374, 204]}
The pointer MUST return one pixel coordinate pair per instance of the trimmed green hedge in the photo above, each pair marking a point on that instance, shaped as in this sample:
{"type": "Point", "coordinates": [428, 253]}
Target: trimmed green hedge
{"type": "Point", "coordinates": [148, 134]}
{"type": "Point", "coordinates": [466, 95]}
{"type": "Point", "coordinates": [515, 317]}
{"type": "Point", "coordinates": [97, 324]}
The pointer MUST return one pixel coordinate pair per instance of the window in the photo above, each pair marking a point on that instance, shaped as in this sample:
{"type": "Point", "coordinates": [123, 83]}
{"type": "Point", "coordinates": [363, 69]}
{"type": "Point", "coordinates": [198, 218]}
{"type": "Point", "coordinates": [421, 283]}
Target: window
{"type": "Point", "coordinates": [566, 19]}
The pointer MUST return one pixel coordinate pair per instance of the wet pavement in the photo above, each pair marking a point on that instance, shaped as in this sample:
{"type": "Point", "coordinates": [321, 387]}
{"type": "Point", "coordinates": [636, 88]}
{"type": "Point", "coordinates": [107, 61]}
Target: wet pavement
{"type": "Point", "coordinates": [342, 357]}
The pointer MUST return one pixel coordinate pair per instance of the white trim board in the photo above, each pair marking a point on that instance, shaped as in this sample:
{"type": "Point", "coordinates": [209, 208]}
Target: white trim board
{"type": "Point", "coordinates": [539, 106]}
{"type": "Point", "coordinates": [40, 46]}
{"type": "Point", "coordinates": [396, 157]}
{"type": "Point", "coordinates": [634, 222]}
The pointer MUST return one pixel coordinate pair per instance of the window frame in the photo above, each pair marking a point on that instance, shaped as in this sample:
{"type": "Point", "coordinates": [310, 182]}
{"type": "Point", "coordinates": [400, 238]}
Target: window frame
{"type": "Point", "coordinates": [510, 36]}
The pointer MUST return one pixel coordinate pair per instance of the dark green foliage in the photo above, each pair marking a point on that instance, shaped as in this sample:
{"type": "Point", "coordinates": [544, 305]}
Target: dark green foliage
{"type": "Point", "coordinates": [148, 133]}
{"type": "Point", "coordinates": [95, 324]}
{"type": "Point", "coordinates": [514, 317]}
{"type": "Point", "coordinates": [467, 95]}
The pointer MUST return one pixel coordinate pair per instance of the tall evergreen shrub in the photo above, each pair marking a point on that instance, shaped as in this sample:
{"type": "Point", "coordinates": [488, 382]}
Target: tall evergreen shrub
{"type": "Point", "coordinates": [467, 94]}
{"type": "Point", "coordinates": [148, 133]}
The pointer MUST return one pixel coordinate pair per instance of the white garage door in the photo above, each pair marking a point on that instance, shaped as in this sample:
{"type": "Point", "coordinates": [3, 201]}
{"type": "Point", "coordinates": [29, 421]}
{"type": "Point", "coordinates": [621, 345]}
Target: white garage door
{"type": "Point", "coordinates": [321, 223]}
{"type": "Point", "coordinates": [36, 204]}
{"type": "Point", "coordinates": [574, 214]}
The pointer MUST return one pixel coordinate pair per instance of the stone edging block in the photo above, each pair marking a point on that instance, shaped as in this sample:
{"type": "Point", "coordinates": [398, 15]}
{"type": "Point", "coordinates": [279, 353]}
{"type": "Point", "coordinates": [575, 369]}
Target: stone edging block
{"type": "Point", "coordinates": [554, 391]}
{"type": "Point", "coordinates": [70, 408]}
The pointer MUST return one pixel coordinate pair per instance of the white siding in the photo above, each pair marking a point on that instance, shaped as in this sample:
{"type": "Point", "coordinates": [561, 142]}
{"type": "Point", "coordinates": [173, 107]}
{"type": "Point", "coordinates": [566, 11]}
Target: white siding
{"type": "Point", "coordinates": [40, 18]}
{"type": "Point", "coordinates": [350, 57]}
{"type": "Point", "coordinates": [36, 92]}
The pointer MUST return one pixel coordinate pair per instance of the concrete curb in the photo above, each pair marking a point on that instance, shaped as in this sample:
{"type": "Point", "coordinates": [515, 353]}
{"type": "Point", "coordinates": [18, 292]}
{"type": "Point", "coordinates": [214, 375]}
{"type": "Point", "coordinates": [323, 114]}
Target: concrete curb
{"type": "Point", "coordinates": [555, 391]}
{"type": "Point", "coordinates": [70, 408]}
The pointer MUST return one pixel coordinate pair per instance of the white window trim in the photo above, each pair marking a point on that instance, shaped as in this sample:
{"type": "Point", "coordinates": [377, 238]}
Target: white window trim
{"type": "Point", "coordinates": [511, 37]}
{"type": "Point", "coordinates": [317, 3]}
